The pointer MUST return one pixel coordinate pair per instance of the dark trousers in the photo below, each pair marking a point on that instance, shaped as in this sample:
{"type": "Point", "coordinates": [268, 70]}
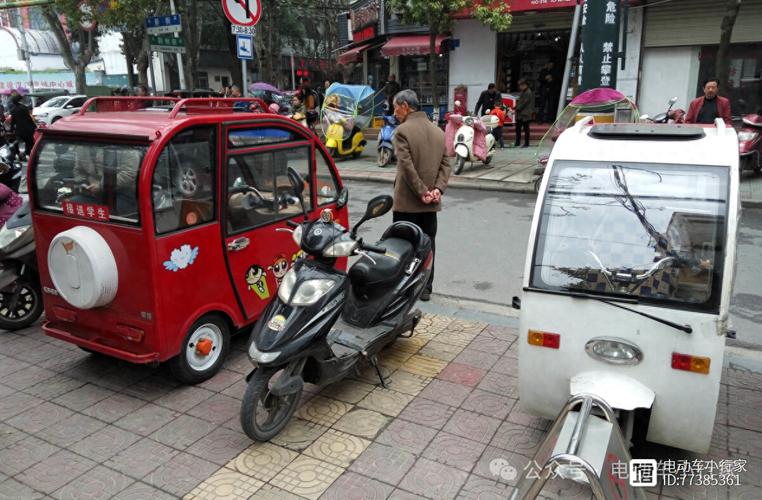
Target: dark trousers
{"type": "Point", "coordinates": [427, 221]}
{"type": "Point", "coordinates": [522, 125]}
{"type": "Point", "coordinates": [498, 133]}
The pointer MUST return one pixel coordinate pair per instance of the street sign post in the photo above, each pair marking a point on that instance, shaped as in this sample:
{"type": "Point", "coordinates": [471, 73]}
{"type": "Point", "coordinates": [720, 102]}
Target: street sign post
{"type": "Point", "coordinates": [160, 25]}
{"type": "Point", "coordinates": [243, 12]}
{"type": "Point", "coordinates": [243, 15]}
{"type": "Point", "coordinates": [166, 43]}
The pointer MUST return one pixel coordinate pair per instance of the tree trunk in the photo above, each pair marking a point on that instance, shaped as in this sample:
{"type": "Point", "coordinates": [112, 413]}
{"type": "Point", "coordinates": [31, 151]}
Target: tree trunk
{"type": "Point", "coordinates": [723, 62]}
{"type": "Point", "coordinates": [128, 58]}
{"type": "Point", "coordinates": [433, 75]}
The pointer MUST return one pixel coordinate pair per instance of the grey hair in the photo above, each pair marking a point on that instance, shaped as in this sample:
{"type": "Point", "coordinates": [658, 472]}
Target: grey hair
{"type": "Point", "coordinates": [407, 96]}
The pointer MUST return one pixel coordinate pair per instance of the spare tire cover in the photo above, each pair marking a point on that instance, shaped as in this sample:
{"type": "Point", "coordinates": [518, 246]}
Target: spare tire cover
{"type": "Point", "coordinates": [83, 268]}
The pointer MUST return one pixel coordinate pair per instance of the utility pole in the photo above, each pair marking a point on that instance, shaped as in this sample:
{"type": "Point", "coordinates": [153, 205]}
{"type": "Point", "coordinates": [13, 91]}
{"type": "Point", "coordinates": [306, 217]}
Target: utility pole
{"type": "Point", "coordinates": [180, 67]}
{"type": "Point", "coordinates": [25, 48]}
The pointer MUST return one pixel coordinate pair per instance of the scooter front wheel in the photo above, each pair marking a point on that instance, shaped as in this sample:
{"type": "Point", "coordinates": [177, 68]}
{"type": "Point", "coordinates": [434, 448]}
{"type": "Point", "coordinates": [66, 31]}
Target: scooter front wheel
{"type": "Point", "coordinates": [263, 414]}
{"type": "Point", "coordinates": [460, 162]}
{"type": "Point", "coordinates": [20, 304]}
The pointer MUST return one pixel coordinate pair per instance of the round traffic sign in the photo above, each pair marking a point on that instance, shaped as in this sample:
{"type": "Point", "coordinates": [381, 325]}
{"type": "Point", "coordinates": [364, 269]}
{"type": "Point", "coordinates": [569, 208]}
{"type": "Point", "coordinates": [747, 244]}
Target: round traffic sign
{"type": "Point", "coordinates": [87, 20]}
{"type": "Point", "coordinates": [242, 12]}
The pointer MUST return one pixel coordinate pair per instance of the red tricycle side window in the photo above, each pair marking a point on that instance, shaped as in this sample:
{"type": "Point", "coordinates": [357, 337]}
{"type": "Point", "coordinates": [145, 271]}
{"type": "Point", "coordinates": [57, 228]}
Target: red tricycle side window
{"type": "Point", "coordinates": [183, 181]}
{"type": "Point", "coordinates": [89, 179]}
{"type": "Point", "coordinates": [327, 186]}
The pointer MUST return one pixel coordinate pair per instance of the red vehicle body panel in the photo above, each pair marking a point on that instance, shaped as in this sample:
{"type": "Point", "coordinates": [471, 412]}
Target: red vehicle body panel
{"type": "Point", "coordinates": [154, 308]}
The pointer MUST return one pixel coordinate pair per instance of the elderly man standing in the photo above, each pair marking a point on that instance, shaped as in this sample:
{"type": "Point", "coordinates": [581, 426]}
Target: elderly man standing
{"type": "Point", "coordinates": [423, 170]}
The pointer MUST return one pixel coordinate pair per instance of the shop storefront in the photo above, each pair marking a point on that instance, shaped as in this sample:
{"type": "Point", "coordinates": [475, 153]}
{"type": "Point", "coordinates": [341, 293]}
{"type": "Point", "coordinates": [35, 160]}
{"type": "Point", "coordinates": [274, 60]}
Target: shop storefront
{"type": "Point", "coordinates": [678, 58]}
{"type": "Point", "coordinates": [534, 45]}
{"type": "Point", "coordinates": [380, 45]}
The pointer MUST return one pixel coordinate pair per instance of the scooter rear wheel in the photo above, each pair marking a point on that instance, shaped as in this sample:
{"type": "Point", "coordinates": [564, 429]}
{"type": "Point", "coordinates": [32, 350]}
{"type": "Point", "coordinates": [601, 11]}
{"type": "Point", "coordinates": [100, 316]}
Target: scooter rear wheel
{"type": "Point", "coordinates": [460, 162]}
{"type": "Point", "coordinates": [258, 402]}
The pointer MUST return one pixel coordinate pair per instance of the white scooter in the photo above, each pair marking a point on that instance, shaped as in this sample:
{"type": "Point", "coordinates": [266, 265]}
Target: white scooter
{"type": "Point", "coordinates": [463, 143]}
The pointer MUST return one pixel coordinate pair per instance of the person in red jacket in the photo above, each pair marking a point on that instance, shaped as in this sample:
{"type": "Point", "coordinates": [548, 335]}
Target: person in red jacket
{"type": "Point", "coordinates": [705, 109]}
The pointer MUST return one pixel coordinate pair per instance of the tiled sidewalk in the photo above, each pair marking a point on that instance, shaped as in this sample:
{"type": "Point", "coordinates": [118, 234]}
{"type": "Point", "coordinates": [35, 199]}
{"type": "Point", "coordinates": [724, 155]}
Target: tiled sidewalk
{"type": "Point", "coordinates": [74, 425]}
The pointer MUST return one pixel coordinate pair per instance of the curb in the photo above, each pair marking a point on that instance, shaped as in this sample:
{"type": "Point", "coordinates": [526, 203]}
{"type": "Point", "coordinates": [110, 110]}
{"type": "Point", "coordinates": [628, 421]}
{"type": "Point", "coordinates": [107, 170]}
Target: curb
{"type": "Point", "coordinates": [457, 183]}
{"type": "Point", "coordinates": [477, 184]}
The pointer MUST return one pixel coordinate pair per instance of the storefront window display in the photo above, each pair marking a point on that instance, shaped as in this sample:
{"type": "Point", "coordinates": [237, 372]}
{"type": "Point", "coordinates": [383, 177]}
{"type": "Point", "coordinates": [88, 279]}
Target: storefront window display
{"type": "Point", "coordinates": [745, 79]}
{"type": "Point", "coordinates": [414, 74]}
{"type": "Point", "coordinates": [533, 56]}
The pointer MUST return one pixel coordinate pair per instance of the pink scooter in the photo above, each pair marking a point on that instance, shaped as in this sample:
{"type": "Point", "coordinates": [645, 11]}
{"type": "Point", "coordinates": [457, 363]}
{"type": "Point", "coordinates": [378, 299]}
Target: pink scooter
{"type": "Point", "coordinates": [750, 143]}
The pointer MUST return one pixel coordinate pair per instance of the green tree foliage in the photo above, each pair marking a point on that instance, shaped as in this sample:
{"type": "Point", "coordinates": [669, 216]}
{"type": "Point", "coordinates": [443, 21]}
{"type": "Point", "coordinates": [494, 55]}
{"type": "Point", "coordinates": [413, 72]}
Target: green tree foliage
{"type": "Point", "coordinates": [438, 16]}
{"type": "Point", "coordinates": [77, 45]}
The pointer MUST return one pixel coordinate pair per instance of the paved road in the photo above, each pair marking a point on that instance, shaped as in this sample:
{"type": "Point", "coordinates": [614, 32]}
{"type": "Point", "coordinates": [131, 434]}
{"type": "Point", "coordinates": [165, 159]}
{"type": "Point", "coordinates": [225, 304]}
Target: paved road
{"type": "Point", "coordinates": [482, 243]}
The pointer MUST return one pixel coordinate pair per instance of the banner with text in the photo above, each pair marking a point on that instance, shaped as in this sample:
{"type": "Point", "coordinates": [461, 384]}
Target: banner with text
{"type": "Point", "coordinates": [600, 36]}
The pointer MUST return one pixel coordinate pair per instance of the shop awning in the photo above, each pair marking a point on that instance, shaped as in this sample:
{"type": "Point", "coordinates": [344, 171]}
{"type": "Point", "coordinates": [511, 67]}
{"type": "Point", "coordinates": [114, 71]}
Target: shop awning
{"type": "Point", "coordinates": [353, 55]}
{"type": "Point", "coordinates": [417, 45]}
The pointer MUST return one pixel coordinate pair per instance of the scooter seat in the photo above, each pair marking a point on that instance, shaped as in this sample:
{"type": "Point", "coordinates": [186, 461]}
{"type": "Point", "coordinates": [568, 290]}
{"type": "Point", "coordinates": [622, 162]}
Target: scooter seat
{"type": "Point", "coordinates": [388, 268]}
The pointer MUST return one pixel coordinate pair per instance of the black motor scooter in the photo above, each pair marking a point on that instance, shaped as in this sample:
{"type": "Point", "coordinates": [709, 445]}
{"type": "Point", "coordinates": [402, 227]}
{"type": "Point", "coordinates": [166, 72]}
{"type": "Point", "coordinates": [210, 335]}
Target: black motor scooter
{"type": "Point", "coordinates": [20, 292]}
{"type": "Point", "coordinates": [324, 321]}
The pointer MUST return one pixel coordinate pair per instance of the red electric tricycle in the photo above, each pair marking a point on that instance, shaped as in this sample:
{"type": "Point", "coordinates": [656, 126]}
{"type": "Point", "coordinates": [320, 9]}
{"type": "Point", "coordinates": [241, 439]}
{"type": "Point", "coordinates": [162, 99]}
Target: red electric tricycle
{"type": "Point", "coordinates": [157, 223]}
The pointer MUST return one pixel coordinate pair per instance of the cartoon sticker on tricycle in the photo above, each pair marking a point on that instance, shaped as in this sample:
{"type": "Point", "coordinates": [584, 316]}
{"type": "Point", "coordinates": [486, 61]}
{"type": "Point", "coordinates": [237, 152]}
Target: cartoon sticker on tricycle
{"type": "Point", "coordinates": [256, 281]}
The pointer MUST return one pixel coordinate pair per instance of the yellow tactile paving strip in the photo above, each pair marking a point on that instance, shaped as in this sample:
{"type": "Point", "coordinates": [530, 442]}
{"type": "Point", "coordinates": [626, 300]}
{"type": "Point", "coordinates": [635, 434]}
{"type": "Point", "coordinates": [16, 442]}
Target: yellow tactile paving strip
{"type": "Point", "coordinates": [334, 427]}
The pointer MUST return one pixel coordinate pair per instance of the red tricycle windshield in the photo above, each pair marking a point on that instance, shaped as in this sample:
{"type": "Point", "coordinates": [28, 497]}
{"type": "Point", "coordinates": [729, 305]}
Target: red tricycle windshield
{"type": "Point", "coordinates": [96, 180]}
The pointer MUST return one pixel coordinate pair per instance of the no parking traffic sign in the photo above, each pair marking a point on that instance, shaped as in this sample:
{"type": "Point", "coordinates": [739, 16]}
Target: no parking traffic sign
{"type": "Point", "coordinates": [242, 12]}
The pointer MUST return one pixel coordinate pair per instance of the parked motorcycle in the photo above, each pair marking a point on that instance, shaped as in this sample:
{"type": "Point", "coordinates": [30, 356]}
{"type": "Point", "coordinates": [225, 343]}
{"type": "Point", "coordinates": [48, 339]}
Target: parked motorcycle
{"type": "Point", "coordinates": [324, 321]}
{"type": "Point", "coordinates": [669, 116]}
{"type": "Point", "coordinates": [473, 139]}
{"type": "Point", "coordinates": [20, 292]}
{"type": "Point", "coordinates": [385, 137]}
{"type": "Point", "coordinates": [750, 143]}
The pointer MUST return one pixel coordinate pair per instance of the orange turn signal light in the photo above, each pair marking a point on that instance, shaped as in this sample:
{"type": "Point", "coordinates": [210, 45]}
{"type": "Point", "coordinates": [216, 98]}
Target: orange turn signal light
{"type": "Point", "coordinates": [695, 364]}
{"type": "Point", "coordinates": [544, 339]}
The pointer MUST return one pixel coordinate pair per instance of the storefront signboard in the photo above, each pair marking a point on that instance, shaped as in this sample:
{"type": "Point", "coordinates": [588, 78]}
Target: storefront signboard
{"type": "Point", "coordinates": [526, 5]}
{"type": "Point", "coordinates": [367, 33]}
{"type": "Point", "coordinates": [600, 35]}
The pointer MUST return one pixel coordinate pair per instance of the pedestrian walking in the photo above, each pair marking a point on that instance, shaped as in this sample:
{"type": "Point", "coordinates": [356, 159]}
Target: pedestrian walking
{"type": "Point", "coordinates": [487, 100]}
{"type": "Point", "coordinates": [391, 89]}
{"type": "Point", "coordinates": [497, 132]}
{"type": "Point", "coordinates": [22, 121]}
{"type": "Point", "coordinates": [524, 112]}
{"type": "Point", "coordinates": [423, 170]}
{"type": "Point", "coordinates": [710, 106]}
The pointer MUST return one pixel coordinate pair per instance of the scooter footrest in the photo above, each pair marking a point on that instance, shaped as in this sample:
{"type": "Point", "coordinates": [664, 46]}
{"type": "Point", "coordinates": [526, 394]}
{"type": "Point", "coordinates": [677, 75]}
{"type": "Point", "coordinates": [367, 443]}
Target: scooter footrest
{"type": "Point", "coordinates": [341, 351]}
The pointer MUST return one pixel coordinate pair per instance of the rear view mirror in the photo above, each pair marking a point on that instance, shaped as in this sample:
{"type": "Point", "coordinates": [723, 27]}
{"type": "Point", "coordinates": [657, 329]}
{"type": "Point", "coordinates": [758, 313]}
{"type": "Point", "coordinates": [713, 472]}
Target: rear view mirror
{"type": "Point", "coordinates": [343, 199]}
{"type": "Point", "coordinates": [673, 100]}
{"type": "Point", "coordinates": [297, 181]}
{"type": "Point", "coordinates": [377, 207]}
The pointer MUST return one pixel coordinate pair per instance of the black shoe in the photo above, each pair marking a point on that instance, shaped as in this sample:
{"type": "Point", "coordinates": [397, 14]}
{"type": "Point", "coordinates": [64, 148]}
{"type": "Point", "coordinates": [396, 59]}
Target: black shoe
{"type": "Point", "coordinates": [426, 296]}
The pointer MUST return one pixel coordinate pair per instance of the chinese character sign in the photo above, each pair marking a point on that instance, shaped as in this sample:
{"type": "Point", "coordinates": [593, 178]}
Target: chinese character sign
{"type": "Point", "coordinates": [600, 34]}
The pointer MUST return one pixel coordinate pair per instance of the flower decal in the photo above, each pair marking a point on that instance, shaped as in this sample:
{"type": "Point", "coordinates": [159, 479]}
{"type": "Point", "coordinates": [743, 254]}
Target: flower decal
{"type": "Point", "coordinates": [181, 258]}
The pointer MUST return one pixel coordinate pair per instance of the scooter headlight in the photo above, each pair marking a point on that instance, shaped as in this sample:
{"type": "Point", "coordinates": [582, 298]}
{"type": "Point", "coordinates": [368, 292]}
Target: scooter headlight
{"type": "Point", "coordinates": [613, 350]}
{"type": "Point", "coordinates": [344, 248]}
{"type": "Point", "coordinates": [469, 121]}
{"type": "Point", "coordinates": [262, 357]}
{"type": "Point", "coordinates": [297, 235]}
{"type": "Point", "coordinates": [309, 291]}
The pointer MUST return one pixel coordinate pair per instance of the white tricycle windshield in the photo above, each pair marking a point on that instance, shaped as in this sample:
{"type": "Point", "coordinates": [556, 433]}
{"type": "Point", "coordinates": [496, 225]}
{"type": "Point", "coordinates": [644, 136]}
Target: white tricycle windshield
{"type": "Point", "coordinates": [654, 233]}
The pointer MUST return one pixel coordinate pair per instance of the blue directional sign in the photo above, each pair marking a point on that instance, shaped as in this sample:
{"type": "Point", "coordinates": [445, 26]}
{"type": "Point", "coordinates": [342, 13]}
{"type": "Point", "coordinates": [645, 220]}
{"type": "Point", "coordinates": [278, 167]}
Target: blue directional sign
{"type": "Point", "coordinates": [160, 25]}
{"type": "Point", "coordinates": [245, 46]}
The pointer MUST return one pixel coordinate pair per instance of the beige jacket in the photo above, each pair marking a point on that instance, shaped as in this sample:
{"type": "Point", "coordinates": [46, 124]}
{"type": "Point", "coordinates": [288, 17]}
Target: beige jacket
{"type": "Point", "coordinates": [422, 163]}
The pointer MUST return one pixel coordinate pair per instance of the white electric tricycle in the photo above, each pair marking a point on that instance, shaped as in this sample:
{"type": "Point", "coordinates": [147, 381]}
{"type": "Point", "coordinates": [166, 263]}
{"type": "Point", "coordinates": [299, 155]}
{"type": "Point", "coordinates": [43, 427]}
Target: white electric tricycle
{"type": "Point", "coordinates": [628, 279]}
